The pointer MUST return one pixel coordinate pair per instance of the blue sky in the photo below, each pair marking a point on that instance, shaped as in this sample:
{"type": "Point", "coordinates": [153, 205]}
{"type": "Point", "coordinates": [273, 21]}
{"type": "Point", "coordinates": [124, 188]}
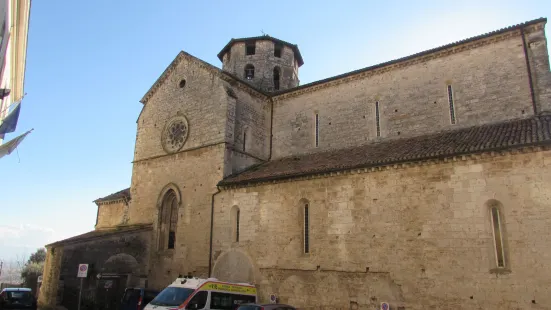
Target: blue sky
{"type": "Point", "coordinates": [89, 63]}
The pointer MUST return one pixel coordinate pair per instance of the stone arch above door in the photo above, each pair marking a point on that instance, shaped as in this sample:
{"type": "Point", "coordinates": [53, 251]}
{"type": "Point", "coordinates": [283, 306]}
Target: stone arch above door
{"type": "Point", "coordinates": [121, 264]}
{"type": "Point", "coordinates": [235, 266]}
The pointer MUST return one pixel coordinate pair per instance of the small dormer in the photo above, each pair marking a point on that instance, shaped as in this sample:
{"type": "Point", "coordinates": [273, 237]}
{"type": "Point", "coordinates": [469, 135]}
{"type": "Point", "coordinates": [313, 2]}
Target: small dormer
{"type": "Point", "coordinates": [267, 63]}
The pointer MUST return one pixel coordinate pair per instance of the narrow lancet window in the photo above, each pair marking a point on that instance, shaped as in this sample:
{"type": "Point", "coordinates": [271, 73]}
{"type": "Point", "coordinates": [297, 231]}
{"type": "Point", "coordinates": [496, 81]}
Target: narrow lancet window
{"type": "Point", "coordinates": [244, 140]}
{"type": "Point", "coordinates": [306, 230]}
{"type": "Point", "coordinates": [498, 237]}
{"type": "Point", "coordinates": [377, 119]}
{"type": "Point", "coordinates": [237, 226]}
{"type": "Point", "coordinates": [317, 130]}
{"type": "Point", "coordinates": [450, 101]}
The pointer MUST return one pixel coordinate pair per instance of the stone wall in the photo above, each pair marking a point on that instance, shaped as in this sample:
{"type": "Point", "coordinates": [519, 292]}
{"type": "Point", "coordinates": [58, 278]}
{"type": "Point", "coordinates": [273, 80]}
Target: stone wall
{"type": "Point", "coordinates": [193, 175]}
{"type": "Point", "coordinates": [417, 236]}
{"type": "Point", "coordinates": [539, 61]}
{"type": "Point", "coordinates": [202, 100]}
{"type": "Point", "coordinates": [264, 63]}
{"type": "Point", "coordinates": [112, 214]}
{"type": "Point", "coordinates": [47, 299]}
{"type": "Point", "coordinates": [249, 120]}
{"type": "Point", "coordinates": [489, 82]}
{"type": "Point", "coordinates": [192, 172]}
{"type": "Point", "coordinates": [121, 253]}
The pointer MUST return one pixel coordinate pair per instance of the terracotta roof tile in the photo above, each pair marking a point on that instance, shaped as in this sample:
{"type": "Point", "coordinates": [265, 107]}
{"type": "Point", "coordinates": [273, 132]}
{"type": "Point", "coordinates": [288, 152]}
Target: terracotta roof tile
{"type": "Point", "coordinates": [125, 193]}
{"type": "Point", "coordinates": [94, 234]}
{"type": "Point", "coordinates": [499, 136]}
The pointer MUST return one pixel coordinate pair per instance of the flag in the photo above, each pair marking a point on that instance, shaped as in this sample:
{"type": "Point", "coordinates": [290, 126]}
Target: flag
{"type": "Point", "coordinates": [10, 122]}
{"type": "Point", "coordinates": [8, 147]}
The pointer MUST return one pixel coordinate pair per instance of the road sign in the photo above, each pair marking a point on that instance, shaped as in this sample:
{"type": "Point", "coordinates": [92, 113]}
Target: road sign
{"type": "Point", "coordinates": [82, 271]}
{"type": "Point", "coordinates": [385, 306]}
{"type": "Point", "coordinates": [273, 298]}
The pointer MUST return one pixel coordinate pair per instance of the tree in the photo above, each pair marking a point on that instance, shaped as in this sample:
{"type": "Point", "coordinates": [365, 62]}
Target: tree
{"type": "Point", "coordinates": [37, 257]}
{"type": "Point", "coordinates": [33, 268]}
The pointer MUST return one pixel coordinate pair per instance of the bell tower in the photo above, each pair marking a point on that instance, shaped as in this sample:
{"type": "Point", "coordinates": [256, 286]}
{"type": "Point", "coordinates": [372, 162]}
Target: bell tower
{"type": "Point", "coordinates": [267, 63]}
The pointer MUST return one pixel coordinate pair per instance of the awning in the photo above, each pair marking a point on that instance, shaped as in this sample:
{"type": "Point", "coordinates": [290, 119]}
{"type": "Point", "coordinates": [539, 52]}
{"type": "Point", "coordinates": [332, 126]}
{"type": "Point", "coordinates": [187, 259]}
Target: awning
{"type": "Point", "coordinates": [10, 122]}
{"type": "Point", "coordinates": [8, 147]}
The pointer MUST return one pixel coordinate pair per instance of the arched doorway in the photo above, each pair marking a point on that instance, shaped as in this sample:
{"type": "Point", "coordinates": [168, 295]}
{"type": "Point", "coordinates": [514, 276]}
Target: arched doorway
{"type": "Point", "coordinates": [117, 273]}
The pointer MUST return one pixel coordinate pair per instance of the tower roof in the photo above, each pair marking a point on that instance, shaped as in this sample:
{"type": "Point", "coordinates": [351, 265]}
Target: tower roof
{"type": "Point", "coordinates": [294, 47]}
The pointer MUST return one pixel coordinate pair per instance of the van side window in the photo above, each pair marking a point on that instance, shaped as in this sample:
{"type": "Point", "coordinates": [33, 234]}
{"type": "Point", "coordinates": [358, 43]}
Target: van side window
{"type": "Point", "coordinates": [226, 301]}
{"type": "Point", "coordinates": [198, 301]}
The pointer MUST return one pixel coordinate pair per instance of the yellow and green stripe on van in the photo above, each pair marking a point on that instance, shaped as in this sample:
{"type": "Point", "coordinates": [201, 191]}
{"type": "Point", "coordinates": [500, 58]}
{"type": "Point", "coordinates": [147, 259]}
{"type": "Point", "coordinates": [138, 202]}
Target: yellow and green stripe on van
{"type": "Point", "coordinates": [230, 288]}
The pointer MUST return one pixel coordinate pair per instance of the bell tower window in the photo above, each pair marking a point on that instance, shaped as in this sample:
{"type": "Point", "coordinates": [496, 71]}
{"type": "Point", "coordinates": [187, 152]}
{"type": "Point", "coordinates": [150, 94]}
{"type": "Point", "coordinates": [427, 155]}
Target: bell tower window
{"type": "Point", "coordinates": [278, 47]}
{"type": "Point", "coordinates": [276, 78]}
{"type": "Point", "coordinates": [249, 72]}
{"type": "Point", "coordinates": [250, 48]}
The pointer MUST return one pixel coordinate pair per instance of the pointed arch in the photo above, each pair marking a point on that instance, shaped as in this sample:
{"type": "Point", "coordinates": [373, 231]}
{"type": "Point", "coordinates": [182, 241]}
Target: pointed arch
{"type": "Point", "coordinates": [168, 205]}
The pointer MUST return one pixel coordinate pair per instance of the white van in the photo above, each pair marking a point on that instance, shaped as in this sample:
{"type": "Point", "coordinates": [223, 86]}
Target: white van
{"type": "Point", "coordinates": [208, 294]}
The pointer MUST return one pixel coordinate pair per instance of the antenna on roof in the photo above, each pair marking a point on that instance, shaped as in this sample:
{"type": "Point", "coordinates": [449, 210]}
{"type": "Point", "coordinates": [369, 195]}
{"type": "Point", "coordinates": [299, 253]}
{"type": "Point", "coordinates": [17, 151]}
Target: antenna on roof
{"type": "Point", "coordinates": [264, 34]}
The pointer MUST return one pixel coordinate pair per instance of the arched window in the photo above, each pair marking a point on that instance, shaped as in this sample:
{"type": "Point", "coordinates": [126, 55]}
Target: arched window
{"type": "Point", "coordinates": [249, 72]}
{"type": "Point", "coordinates": [168, 220]}
{"type": "Point", "coordinates": [498, 233]}
{"type": "Point", "coordinates": [235, 216]}
{"type": "Point", "coordinates": [277, 72]}
{"type": "Point", "coordinates": [498, 237]}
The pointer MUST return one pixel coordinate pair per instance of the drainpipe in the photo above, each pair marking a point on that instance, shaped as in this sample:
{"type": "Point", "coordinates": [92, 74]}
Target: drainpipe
{"type": "Point", "coordinates": [529, 70]}
{"type": "Point", "coordinates": [212, 228]}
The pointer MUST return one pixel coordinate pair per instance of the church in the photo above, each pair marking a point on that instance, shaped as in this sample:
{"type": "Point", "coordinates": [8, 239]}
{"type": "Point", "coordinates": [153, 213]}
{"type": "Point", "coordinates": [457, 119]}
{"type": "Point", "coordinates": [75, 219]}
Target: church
{"type": "Point", "coordinates": [423, 182]}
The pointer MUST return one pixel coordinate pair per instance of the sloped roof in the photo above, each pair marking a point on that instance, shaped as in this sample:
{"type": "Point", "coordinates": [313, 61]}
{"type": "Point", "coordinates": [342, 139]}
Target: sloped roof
{"type": "Point", "coordinates": [125, 193]}
{"type": "Point", "coordinates": [294, 47]}
{"type": "Point", "coordinates": [491, 137]}
{"type": "Point", "coordinates": [95, 234]}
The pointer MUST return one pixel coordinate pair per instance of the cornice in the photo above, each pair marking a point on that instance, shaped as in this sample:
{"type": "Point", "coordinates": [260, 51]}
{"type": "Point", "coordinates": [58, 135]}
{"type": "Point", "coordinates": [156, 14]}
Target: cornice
{"type": "Point", "coordinates": [108, 202]}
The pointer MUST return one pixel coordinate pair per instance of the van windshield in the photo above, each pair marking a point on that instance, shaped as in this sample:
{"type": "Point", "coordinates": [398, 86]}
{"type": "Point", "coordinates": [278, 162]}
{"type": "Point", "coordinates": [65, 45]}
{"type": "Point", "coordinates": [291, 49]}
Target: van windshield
{"type": "Point", "coordinates": [172, 296]}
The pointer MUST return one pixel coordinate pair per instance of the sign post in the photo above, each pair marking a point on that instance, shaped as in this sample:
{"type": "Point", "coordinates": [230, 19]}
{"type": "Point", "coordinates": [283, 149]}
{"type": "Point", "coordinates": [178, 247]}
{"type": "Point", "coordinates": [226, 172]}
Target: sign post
{"type": "Point", "coordinates": [82, 273]}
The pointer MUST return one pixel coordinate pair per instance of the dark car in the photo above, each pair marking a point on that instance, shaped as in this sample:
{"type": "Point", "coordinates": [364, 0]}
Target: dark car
{"type": "Point", "coordinates": [17, 298]}
{"type": "Point", "coordinates": [266, 307]}
{"type": "Point", "coordinates": [137, 298]}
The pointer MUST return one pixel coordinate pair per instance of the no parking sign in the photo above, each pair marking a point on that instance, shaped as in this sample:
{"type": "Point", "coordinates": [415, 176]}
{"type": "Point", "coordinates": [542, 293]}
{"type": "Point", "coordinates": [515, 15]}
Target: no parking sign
{"type": "Point", "coordinates": [385, 306]}
{"type": "Point", "coordinates": [82, 271]}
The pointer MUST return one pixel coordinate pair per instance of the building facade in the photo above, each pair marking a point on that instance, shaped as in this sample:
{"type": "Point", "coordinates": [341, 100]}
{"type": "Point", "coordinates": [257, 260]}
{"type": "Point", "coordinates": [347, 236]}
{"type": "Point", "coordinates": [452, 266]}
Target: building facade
{"type": "Point", "coordinates": [422, 182]}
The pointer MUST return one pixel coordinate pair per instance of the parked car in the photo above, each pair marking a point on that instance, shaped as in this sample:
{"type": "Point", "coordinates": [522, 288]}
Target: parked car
{"type": "Point", "coordinates": [17, 298]}
{"type": "Point", "coordinates": [266, 307]}
{"type": "Point", "coordinates": [137, 298]}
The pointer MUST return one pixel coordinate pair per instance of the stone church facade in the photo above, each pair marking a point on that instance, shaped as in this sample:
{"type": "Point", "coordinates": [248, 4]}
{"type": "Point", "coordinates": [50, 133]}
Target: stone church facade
{"type": "Point", "coordinates": [422, 182]}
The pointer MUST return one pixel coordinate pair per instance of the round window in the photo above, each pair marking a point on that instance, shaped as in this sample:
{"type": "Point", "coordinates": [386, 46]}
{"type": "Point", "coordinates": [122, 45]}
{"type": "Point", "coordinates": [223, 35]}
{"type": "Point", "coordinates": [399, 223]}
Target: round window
{"type": "Point", "coordinates": [175, 134]}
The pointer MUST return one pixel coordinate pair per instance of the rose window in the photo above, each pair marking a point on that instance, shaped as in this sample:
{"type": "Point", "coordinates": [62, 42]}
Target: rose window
{"type": "Point", "coordinates": [175, 134]}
